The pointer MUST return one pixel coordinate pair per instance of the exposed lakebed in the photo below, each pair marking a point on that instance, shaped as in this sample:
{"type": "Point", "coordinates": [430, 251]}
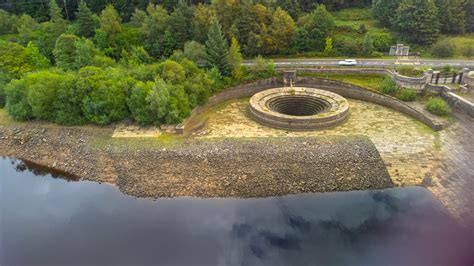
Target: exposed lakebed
{"type": "Point", "coordinates": [46, 220]}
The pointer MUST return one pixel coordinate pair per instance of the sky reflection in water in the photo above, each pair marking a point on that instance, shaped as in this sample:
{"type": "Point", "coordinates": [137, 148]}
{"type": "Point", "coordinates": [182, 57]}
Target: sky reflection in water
{"type": "Point", "coordinates": [46, 220]}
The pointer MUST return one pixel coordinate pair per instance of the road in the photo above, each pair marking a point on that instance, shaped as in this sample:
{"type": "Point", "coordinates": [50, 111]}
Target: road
{"type": "Point", "coordinates": [370, 62]}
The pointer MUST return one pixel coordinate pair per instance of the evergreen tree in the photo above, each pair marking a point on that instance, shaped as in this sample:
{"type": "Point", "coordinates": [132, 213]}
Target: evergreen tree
{"type": "Point", "coordinates": [110, 21]}
{"type": "Point", "coordinates": [217, 49]}
{"type": "Point", "coordinates": [469, 10]}
{"type": "Point", "coordinates": [55, 12]}
{"type": "Point", "coordinates": [384, 11]}
{"type": "Point", "coordinates": [235, 58]}
{"type": "Point", "coordinates": [85, 19]}
{"type": "Point", "coordinates": [367, 45]}
{"type": "Point", "coordinates": [417, 21]}
{"type": "Point", "coordinates": [451, 16]}
{"type": "Point", "coordinates": [65, 51]}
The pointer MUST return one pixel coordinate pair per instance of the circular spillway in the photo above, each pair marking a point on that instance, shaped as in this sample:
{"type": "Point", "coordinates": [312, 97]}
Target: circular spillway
{"type": "Point", "coordinates": [298, 108]}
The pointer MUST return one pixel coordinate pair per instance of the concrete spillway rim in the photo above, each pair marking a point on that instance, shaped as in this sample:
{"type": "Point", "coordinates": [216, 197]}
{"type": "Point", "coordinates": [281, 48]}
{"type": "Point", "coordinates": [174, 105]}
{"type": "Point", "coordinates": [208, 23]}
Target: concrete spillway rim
{"type": "Point", "coordinates": [332, 108]}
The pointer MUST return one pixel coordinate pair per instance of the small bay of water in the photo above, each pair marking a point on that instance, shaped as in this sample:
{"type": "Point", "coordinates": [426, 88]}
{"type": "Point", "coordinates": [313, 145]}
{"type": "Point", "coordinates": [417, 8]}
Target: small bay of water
{"type": "Point", "coordinates": [51, 219]}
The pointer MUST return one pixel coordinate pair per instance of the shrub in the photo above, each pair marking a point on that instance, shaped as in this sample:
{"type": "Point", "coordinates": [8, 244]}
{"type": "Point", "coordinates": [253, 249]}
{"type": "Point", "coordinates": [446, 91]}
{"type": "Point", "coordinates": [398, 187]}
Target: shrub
{"type": "Point", "coordinates": [443, 49]}
{"type": "Point", "coordinates": [410, 71]}
{"type": "Point", "coordinates": [4, 80]}
{"type": "Point", "coordinates": [139, 105]}
{"type": "Point", "coordinates": [389, 86]}
{"type": "Point", "coordinates": [407, 95]}
{"type": "Point", "coordinates": [438, 106]}
{"type": "Point", "coordinates": [17, 104]}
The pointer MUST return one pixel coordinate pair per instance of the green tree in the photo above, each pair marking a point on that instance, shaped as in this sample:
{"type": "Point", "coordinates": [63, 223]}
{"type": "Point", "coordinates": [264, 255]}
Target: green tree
{"type": "Point", "coordinates": [16, 60]}
{"type": "Point", "coordinates": [55, 12]}
{"type": "Point", "coordinates": [180, 24]}
{"type": "Point", "coordinates": [329, 47]}
{"type": "Point", "coordinates": [110, 21]}
{"type": "Point", "coordinates": [8, 23]}
{"type": "Point", "coordinates": [367, 45]}
{"type": "Point", "coordinates": [173, 72]}
{"type": "Point", "coordinates": [139, 106]}
{"type": "Point", "coordinates": [281, 29]}
{"type": "Point", "coordinates": [417, 21]}
{"type": "Point", "coordinates": [195, 52]}
{"type": "Point", "coordinates": [154, 28]}
{"type": "Point", "coordinates": [452, 16]}
{"type": "Point", "coordinates": [203, 16]}
{"type": "Point", "coordinates": [384, 11]}
{"type": "Point", "coordinates": [85, 19]}
{"type": "Point", "coordinates": [235, 58]}
{"type": "Point", "coordinates": [469, 11]}
{"type": "Point", "coordinates": [65, 52]}
{"type": "Point", "coordinates": [58, 25]}
{"type": "Point", "coordinates": [159, 99]}
{"type": "Point", "coordinates": [17, 104]}
{"type": "Point", "coordinates": [217, 49]}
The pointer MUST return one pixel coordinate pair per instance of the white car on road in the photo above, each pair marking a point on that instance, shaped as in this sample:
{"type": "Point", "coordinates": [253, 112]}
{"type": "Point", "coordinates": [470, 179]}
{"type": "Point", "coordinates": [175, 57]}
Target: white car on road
{"type": "Point", "coordinates": [348, 62]}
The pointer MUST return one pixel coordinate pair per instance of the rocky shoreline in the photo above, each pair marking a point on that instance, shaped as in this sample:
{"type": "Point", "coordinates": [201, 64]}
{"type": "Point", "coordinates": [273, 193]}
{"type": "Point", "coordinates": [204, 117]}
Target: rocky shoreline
{"type": "Point", "coordinates": [202, 168]}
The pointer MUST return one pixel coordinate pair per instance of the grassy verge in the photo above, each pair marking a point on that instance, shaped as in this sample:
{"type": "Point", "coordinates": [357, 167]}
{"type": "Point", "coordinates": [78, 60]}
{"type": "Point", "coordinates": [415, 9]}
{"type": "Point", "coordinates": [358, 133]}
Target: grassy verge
{"type": "Point", "coordinates": [4, 118]}
{"type": "Point", "coordinates": [369, 81]}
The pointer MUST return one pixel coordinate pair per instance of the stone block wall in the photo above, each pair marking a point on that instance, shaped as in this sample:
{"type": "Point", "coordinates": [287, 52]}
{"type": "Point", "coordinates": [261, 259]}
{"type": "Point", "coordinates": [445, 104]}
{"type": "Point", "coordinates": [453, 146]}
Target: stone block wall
{"type": "Point", "coordinates": [417, 84]}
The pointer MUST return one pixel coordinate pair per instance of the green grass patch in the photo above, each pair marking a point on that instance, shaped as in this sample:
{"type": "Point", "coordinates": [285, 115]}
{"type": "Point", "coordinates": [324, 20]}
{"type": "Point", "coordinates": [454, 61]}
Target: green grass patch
{"type": "Point", "coordinates": [165, 140]}
{"type": "Point", "coordinates": [5, 118]}
{"type": "Point", "coordinates": [437, 106]}
{"type": "Point", "coordinates": [369, 81]}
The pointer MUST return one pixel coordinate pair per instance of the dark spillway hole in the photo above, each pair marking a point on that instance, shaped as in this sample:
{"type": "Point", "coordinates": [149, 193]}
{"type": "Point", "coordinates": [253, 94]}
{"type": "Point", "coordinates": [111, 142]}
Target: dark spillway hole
{"type": "Point", "coordinates": [298, 105]}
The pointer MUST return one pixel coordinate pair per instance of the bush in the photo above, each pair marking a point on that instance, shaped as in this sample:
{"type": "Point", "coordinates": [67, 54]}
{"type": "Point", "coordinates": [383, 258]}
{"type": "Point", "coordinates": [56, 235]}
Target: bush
{"type": "Point", "coordinates": [17, 103]}
{"type": "Point", "coordinates": [443, 49]}
{"type": "Point", "coordinates": [410, 71]}
{"type": "Point", "coordinates": [407, 95]}
{"type": "Point", "coordinates": [139, 105]}
{"type": "Point", "coordinates": [438, 106]}
{"type": "Point", "coordinates": [389, 86]}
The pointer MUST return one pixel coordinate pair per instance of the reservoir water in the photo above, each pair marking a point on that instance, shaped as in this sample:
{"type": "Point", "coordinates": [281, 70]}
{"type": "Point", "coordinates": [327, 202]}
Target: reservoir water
{"type": "Point", "coordinates": [50, 219]}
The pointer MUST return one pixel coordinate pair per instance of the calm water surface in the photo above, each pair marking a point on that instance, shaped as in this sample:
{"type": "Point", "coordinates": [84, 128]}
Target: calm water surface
{"type": "Point", "coordinates": [50, 220]}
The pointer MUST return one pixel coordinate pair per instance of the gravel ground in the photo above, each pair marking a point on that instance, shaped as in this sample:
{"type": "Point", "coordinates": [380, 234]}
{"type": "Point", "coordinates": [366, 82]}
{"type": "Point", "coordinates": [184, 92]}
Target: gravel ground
{"type": "Point", "coordinates": [203, 168]}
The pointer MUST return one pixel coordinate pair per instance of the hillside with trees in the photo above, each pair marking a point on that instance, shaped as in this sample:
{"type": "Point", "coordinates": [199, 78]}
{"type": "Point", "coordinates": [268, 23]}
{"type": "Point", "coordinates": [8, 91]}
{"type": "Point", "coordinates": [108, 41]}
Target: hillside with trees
{"type": "Point", "coordinates": [79, 61]}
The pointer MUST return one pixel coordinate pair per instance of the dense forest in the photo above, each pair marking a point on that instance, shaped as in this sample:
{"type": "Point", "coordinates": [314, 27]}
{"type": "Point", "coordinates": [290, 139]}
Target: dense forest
{"type": "Point", "coordinates": [97, 61]}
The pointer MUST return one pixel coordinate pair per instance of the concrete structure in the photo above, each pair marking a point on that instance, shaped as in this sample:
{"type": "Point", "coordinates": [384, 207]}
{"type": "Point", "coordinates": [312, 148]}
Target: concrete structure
{"type": "Point", "coordinates": [399, 50]}
{"type": "Point", "coordinates": [298, 109]}
{"type": "Point", "coordinates": [338, 87]}
{"type": "Point", "coordinates": [415, 83]}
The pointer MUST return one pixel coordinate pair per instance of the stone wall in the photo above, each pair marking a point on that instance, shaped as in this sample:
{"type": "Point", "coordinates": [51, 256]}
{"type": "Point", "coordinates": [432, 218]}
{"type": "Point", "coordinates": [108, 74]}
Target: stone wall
{"type": "Point", "coordinates": [417, 84]}
{"type": "Point", "coordinates": [468, 80]}
{"type": "Point", "coordinates": [341, 88]}
{"type": "Point", "coordinates": [458, 103]}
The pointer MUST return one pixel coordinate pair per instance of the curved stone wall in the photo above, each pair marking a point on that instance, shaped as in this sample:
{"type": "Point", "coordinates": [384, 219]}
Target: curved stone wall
{"type": "Point", "coordinates": [298, 108]}
{"type": "Point", "coordinates": [341, 88]}
{"type": "Point", "coordinates": [417, 84]}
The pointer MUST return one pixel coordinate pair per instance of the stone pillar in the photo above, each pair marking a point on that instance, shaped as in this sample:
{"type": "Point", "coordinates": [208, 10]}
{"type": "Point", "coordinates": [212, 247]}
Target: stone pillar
{"type": "Point", "coordinates": [465, 75]}
{"type": "Point", "coordinates": [289, 78]}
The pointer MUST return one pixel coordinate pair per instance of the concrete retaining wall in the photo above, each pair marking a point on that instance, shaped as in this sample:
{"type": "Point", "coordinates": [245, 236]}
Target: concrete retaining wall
{"type": "Point", "coordinates": [469, 81]}
{"type": "Point", "coordinates": [458, 103]}
{"type": "Point", "coordinates": [341, 88]}
{"type": "Point", "coordinates": [417, 84]}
